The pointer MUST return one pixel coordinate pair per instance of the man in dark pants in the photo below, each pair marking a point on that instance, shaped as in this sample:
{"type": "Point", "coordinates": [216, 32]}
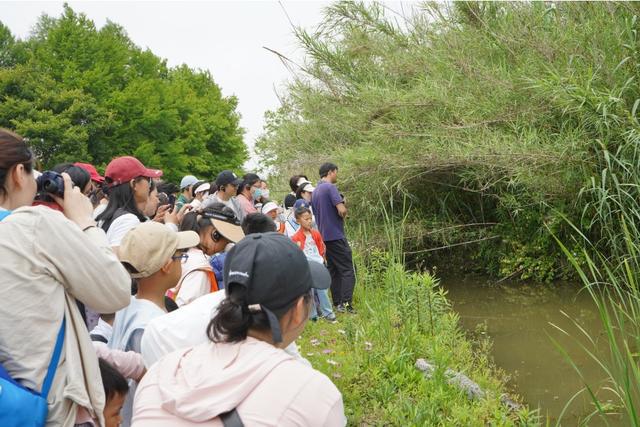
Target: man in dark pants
{"type": "Point", "coordinates": [330, 210]}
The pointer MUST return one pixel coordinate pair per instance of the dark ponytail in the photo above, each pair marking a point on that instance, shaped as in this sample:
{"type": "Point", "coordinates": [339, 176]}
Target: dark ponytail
{"type": "Point", "coordinates": [234, 319]}
{"type": "Point", "coordinates": [13, 151]}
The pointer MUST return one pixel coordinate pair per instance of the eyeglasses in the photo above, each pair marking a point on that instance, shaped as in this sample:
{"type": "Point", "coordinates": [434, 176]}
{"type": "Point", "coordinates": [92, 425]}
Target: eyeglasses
{"type": "Point", "coordinates": [183, 258]}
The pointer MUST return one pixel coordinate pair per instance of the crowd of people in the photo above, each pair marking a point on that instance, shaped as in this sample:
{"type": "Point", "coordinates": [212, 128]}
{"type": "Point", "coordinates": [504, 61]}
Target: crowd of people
{"type": "Point", "coordinates": [129, 300]}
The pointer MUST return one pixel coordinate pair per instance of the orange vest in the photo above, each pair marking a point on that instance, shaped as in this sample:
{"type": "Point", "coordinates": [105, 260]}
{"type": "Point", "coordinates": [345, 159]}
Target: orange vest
{"type": "Point", "coordinates": [173, 293]}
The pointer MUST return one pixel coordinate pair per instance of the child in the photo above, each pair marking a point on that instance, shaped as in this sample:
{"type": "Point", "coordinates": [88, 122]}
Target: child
{"type": "Point", "coordinates": [115, 392]}
{"type": "Point", "coordinates": [271, 210]}
{"type": "Point", "coordinates": [310, 241]}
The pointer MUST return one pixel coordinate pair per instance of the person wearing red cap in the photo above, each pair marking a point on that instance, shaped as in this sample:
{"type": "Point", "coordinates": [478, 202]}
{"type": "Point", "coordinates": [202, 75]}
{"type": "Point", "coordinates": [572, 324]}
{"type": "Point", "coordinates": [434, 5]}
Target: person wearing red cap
{"type": "Point", "coordinates": [96, 195]}
{"type": "Point", "coordinates": [129, 185]}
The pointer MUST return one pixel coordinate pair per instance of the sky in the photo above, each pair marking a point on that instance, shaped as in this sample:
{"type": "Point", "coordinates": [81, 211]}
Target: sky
{"type": "Point", "coordinates": [225, 37]}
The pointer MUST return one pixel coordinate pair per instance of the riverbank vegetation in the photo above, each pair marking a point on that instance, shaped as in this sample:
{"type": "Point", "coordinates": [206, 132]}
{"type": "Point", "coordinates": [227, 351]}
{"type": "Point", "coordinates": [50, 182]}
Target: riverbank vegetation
{"type": "Point", "coordinates": [403, 316]}
{"type": "Point", "coordinates": [86, 94]}
{"type": "Point", "coordinates": [497, 121]}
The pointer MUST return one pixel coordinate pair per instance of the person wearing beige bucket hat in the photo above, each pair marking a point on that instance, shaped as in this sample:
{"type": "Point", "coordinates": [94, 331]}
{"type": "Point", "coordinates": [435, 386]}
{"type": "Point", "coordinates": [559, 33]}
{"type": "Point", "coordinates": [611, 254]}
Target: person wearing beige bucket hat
{"type": "Point", "coordinates": [217, 227]}
{"type": "Point", "coordinates": [153, 255]}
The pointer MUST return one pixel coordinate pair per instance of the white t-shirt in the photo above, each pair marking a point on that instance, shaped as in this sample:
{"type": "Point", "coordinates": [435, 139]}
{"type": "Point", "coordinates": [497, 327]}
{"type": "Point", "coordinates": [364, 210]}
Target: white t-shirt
{"type": "Point", "coordinates": [186, 327]}
{"type": "Point", "coordinates": [121, 226]}
{"type": "Point", "coordinates": [311, 250]}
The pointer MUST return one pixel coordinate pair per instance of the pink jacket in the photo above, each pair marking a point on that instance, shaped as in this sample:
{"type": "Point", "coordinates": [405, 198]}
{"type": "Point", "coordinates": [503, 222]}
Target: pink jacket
{"type": "Point", "coordinates": [263, 383]}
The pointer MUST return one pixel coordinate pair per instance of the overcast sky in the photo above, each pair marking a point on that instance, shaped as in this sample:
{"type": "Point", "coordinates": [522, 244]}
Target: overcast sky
{"type": "Point", "coordinates": [225, 37]}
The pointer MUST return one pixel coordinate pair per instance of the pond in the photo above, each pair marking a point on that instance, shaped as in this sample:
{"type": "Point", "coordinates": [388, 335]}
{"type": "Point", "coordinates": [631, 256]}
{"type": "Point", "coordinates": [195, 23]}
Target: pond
{"type": "Point", "coordinates": [518, 320]}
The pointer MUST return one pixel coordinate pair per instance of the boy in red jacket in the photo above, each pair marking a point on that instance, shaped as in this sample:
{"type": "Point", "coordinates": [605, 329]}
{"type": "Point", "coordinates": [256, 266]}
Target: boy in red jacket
{"type": "Point", "coordinates": [310, 241]}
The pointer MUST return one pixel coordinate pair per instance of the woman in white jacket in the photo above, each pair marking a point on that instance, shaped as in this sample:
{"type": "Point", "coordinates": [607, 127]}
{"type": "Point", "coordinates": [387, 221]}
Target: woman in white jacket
{"type": "Point", "coordinates": [48, 261]}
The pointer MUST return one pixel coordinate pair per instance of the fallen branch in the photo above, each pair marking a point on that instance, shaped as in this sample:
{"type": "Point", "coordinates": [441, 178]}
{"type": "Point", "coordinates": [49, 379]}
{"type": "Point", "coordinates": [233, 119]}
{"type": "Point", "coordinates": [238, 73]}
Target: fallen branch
{"type": "Point", "coordinates": [453, 245]}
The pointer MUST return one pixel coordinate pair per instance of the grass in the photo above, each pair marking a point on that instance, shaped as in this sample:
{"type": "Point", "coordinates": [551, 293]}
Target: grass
{"type": "Point", "coordinates": [403, 316]}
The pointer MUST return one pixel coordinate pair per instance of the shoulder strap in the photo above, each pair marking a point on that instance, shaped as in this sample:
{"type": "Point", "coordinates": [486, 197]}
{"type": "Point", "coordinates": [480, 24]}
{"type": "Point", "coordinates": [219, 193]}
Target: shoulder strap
{"type": "Point", "coordinates": [231, 419]}
{"type": "Point", "coordinates": [53, 365]}
{"type": "Point", "coordinates": [203, 269]}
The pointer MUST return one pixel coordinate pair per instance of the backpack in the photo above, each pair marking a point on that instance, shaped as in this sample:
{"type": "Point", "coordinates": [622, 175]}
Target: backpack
{"type": "Point", "coordinates": [20, 406]}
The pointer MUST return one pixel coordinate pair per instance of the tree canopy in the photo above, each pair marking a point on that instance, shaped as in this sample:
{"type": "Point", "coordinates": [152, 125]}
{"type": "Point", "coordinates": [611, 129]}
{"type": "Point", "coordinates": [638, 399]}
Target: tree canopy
{"type": "Point", "coordinates": [79, 93]}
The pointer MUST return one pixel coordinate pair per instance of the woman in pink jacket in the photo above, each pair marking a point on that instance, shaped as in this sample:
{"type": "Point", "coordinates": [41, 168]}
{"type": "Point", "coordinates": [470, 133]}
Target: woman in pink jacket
{"type": "Point", "coordinates": [243, 376]}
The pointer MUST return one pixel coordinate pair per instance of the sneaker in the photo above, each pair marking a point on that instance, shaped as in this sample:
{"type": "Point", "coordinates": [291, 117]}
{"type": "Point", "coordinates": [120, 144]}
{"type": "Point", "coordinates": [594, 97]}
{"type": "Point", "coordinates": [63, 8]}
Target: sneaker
{"type": "Point", "coordinates": [349, 308]}
{"type": "Point", "coordinates": [340, 308]}
{"type": "Point", "coordinates": [331, 318]}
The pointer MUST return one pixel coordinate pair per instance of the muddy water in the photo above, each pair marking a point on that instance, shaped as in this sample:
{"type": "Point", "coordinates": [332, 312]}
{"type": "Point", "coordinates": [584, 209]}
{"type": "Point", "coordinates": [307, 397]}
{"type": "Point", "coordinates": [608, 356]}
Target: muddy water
{"type": "Point", "coordinates": [518, 320]}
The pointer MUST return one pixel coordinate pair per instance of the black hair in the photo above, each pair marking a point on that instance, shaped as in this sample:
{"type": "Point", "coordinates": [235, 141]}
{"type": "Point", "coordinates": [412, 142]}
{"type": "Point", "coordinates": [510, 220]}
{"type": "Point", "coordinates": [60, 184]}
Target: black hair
{"type": "Point", "coordinates": [257, 222]}
{"type": "Point", "coordinates": [168, 188]}
{"type": "Point", "coordinates": [79, 176]}
{"type": "Point", "coordinates": [301, 211]}
{"type": "Point", "coordinates": [13, 151]}
{"type": "Point", "coordinates": [234, 319]}
{"type": "Point", "coordinates": [121, 201]}
{"type": "Point", "coordinates": [301, 189]}
{"type": "Point", "coordinates": [289, 201]}
{"type": "Point", "coordinates": [293, 181]}
{"type": "Point", "coordinates": [195, 221]}
{"type": "Point", "coordinates": [326, 168]}
{"type": "Point", "coordinates": [112, 380]}
{"type": "Point", "coordinates": [247, 181]}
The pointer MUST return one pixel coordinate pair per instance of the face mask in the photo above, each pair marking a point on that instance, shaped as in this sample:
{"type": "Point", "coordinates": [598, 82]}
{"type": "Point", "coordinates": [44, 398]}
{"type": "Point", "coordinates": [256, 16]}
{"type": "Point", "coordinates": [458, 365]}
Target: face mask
{"type": "Point", "coordinates": [265, 194]}
{"type": "Point", "coordinates": [257, 193]}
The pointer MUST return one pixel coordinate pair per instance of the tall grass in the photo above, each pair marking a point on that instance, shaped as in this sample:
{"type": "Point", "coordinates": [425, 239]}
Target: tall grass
{"type": "Point", "coordinates": [489, 114]}
{"type": "Point", "coordinates": [610, 271]}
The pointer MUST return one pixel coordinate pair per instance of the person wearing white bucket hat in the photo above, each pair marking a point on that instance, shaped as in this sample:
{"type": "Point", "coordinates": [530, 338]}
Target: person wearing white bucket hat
{"type": "Point", "coordinates": [272, 210]}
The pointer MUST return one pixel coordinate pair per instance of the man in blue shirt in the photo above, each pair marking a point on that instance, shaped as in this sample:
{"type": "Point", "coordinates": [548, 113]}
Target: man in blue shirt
{"type": "Point", "coordinates": [330, 211]}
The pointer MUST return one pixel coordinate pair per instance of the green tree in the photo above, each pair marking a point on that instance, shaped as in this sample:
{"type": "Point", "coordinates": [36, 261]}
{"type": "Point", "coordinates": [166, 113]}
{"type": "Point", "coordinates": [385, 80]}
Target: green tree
{"type": "Point", "coordinates": [86, 94]}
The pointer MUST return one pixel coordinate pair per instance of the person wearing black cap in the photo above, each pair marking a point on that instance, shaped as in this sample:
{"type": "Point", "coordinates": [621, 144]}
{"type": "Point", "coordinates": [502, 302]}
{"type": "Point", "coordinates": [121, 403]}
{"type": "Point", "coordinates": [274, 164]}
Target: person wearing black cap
{"type": "Point", "coordinates": [226, 186]}
{"type": "Point", "coordinates": [243, 373]}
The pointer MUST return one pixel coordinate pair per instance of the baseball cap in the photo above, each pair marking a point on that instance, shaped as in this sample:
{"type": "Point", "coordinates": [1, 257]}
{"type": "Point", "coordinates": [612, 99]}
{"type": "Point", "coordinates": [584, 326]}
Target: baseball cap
{"type": "Point", "coordinates": [204, 187]}
{"type": "Point", "coordinates": [124, 169]}
{"type": "Point", "coordinates": [227, 225]}
{"type": "Point", "coordinates": [225, 178]}
{"type": "Point", "coordinates": [148, 246]}
{"type": "Point", "coordinates": [95, 176]}
{"type": "Point", "coordinates": [187, 181]}
{"type": "Point", "coordinates": [268, 207]}
{"type": "Point", "coordinates": [275, 272]}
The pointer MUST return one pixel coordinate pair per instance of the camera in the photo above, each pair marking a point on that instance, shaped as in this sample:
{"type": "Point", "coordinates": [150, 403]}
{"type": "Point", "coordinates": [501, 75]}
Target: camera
{"type": "Point", "coordinates": [50, 183]}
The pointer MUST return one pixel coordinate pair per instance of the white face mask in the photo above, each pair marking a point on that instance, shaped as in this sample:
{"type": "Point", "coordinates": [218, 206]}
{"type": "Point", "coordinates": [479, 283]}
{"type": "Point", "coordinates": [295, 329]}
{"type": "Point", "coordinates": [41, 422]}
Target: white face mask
{"type": "Point", "coordinates": [265, 194]}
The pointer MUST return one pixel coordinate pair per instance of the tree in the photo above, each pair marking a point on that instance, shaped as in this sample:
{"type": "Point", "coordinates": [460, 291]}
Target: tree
{"type": "Point", "coordinates": [85, 94]}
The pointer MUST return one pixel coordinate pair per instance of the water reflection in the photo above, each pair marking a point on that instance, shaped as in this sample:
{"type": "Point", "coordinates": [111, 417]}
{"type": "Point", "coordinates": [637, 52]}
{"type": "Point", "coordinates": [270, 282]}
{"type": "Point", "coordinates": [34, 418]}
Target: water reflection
{"type": "Point", "coordinates": [518, 319]}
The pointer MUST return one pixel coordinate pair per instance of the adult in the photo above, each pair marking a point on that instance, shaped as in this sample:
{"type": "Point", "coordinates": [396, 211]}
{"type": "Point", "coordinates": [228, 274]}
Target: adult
{"type": "Point", "coordinates": [294, 183]}
{"type": "Point", "coordinates": [243, 372]}
{"type": "Point", "coordinates": [201, 191]}
{"type": "Point", "coordinates": [48, 261]}
{"type": "Point", "coordinates": [330, 211]}
{"type": "Point", "coordinates": [247, 191]}
{"type": "Point", "coordinates": [152, 254]}
{"type": "Point", "coordinates": [186, 191]}
{"type": "Point", "coordinates": [304, 195]}
{"type": "Point", "coordinates": [226, 186]}
{"type": "Point", "coordinates": [130, 184]}
{"type": "Point", "coordinates": [96, 195]}
{"type": "Point", "coordinates": [217, 227]}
